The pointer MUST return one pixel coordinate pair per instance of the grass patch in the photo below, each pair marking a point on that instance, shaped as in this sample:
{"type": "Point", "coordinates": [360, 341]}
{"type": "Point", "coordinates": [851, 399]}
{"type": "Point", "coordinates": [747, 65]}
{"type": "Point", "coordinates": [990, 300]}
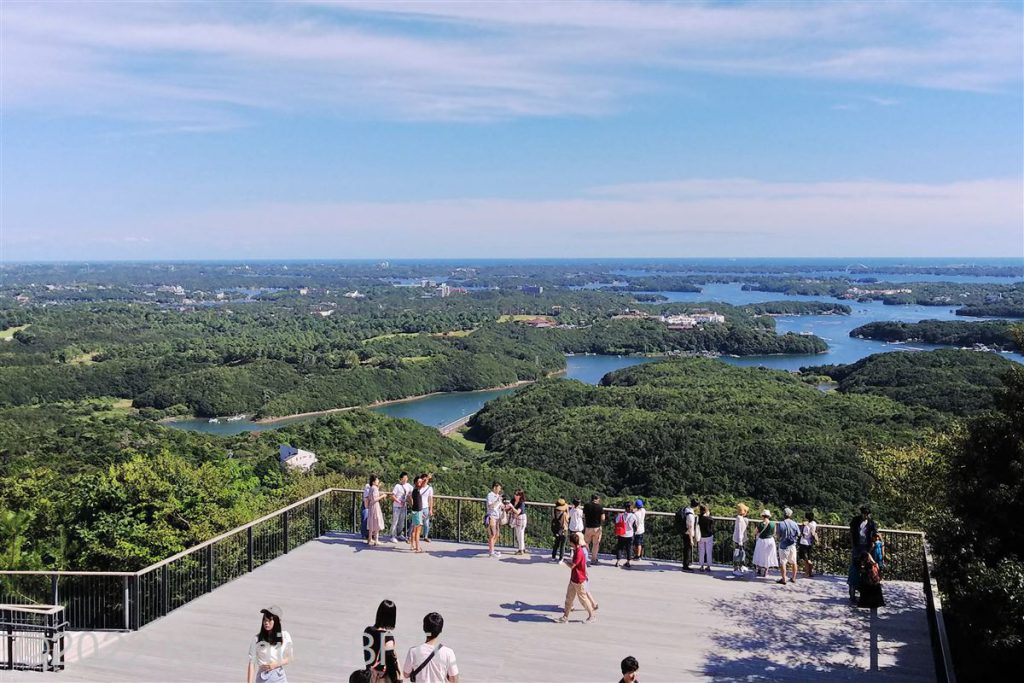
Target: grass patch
{"type": "Point", "coordinates": [85, 359]}
{"type": "Point", "coordinates": [459, 435]}
{"type": "Point", "coordinates": [454, 333]}
{"type": "Point", "coordinates": [415, 359]}
{"type": "Point", "coordinates": [8, 334]}
{"type": "Point", "coordinates": [393, 335]}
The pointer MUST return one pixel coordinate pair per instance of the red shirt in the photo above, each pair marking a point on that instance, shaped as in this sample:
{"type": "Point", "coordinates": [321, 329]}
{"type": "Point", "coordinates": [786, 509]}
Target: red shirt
{"type": "Point", "coordinates": [579, 566]}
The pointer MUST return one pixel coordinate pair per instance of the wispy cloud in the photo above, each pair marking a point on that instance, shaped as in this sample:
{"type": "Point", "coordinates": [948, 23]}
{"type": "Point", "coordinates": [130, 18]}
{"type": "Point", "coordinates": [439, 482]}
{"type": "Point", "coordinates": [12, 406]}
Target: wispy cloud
{"type": "Point", "coordinates": [736, 217]}
{"type": "Point", "coordinates": [182, 65]}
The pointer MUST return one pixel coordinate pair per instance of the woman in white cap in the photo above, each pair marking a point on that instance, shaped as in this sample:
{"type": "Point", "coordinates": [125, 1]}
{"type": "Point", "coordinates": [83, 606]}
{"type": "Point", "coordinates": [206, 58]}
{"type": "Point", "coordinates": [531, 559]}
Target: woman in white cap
{"type": "Point", "coordinates": [766, 555]}
{"type": "Point", "coordinates": [270, 650]}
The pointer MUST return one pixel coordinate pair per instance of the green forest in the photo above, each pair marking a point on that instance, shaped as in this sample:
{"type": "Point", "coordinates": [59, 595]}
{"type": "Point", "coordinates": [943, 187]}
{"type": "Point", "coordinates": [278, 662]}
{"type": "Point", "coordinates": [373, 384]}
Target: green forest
{"type": "Point", "coordinates": [992, 333]}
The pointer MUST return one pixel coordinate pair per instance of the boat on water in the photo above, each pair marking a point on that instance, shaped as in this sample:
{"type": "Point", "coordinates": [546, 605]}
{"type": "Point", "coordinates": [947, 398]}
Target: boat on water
{"type": "Point", "coordinates": [236, 418]}
{"type": "Point", "coordinates": [214, 421]}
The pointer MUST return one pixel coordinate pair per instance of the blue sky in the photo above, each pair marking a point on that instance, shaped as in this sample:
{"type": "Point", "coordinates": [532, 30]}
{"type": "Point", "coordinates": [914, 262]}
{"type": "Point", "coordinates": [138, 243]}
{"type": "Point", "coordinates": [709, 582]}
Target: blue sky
{"type": "Point", "coordinates": [405, 130]}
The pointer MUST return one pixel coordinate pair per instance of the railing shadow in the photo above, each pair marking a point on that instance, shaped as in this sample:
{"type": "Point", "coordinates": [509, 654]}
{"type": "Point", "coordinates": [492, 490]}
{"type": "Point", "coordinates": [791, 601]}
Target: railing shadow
{"type": "Point", "coordinates": [819, 637]}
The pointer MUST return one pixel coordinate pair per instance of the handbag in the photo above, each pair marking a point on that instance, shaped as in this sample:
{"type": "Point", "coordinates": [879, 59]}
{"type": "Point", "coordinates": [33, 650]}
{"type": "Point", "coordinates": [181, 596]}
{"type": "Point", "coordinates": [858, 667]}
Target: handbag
{"type": "Point", "coordinates": [620, 525]}
{"type": "Point", "coordinates": [739, 555]}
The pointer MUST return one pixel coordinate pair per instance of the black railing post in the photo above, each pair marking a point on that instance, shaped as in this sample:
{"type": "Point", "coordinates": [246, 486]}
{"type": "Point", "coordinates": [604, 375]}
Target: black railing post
{"type": "Point", "coordinates": [316, 517]}
{"type": "Point", "coordinates": [248, 546]}
{"type": "Point", "coordinates": [209, 568]}
{"type": "Point", "coordinates": [458, 520]}
{"type": "Point", "coordinates": [54, 594]}
{"type": "Point", "coordinates": [165, 582]}
{"type": "Point", "coordinates": [136, 602]}
{"type": "Point", "coordinates": [284, 518]}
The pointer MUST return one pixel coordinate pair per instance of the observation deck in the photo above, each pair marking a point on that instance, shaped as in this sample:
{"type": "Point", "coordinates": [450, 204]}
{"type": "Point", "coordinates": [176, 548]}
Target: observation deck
{"type": "Point", "coordinates": [499, 616]}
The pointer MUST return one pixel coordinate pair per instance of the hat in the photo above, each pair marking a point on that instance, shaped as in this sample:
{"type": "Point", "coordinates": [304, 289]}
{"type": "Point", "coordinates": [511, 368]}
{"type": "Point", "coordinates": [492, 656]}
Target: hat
{"type": "Point", "coordinates": [273, 610]}
{"type": "Point", "coordinates": [742, 509]}
{"type": "Point", "coordinates": [766, 513]}
{"type": "Point", "coordinates": [639, 502]}
{"type": "Point", "coordinates": [561, 504]}
{"type": "Point", "coordinates": [788, 512]}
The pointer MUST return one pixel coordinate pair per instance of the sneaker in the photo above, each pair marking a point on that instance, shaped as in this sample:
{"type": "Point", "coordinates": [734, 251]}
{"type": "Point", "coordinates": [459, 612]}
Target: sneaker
{"type": "Point", "coordinates": [591, 619]}
{"type": "Point", "coordinates": [627, 566]}
{"type": "Point", "coordinates": [563, 619]}
{"type": "Point", "coordinates": [496, 554]}
{"type": "Point", "coordinates": [781, 581]}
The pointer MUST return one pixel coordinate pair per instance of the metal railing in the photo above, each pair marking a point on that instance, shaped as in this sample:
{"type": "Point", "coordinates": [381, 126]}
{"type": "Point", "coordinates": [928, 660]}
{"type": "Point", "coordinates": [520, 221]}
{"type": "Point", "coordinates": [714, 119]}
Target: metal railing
{"type": "Point", "coordinates": [32, 637]}
{"type": "Point", "coordinates": [130, 600]}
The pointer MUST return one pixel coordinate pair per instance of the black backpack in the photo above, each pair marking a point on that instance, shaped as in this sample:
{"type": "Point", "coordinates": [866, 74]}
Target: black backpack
{"type": "Point", "coordinates": [556, 523]}
{"type": "Point", "coordinates": [679, 521]}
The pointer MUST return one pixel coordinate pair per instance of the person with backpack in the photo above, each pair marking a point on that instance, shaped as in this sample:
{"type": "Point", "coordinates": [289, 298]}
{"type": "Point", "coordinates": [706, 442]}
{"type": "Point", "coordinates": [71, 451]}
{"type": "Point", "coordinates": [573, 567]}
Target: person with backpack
{"type": "Point", "coordinates": [625, 527]}
{"type": "Point", "coordinates": [431, 662]}
{"type": "Point", "coordinates": [706, 544]}
{"type": "Point", "coordinates": [789, 535]}
{"type": "Point", "coordinates": [576, 517]}
{"type": "Point", "coordinates": [686, 524]}
{"type": "Point", "coordinates": [739, 540]}
{"type": "Point", "coordinates": [805, 549]}
{"type": "Point", "coordinates": [766, 555]}
{"type": "Point", "coordinates": [559, 526]}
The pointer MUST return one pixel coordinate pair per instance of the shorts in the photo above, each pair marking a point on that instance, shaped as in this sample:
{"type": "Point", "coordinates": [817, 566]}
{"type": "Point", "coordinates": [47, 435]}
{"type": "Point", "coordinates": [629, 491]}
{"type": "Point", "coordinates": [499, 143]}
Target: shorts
{"type": "Point", "coordinates": [804, 552]}
{"type": "Point", "coordinates": [638, 539]}
{"type": "Point", "coordinates": [416, 518]}
{"type": "Point", "coordinates": [787, 555]}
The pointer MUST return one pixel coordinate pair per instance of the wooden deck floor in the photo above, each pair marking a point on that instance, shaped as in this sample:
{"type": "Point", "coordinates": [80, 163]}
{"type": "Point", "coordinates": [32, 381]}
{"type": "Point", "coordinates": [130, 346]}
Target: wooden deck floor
{"type": "Point", "coordinates": [499, 620]}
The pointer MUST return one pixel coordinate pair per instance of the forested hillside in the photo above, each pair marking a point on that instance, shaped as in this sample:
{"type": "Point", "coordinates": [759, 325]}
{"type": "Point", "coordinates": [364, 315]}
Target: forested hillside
{"type": "Point", "coordinates": [949, 380]}
{"type": "Point", "coordinates": [701, 426]}
{"type": "Point", "coordinates": [992, 333]}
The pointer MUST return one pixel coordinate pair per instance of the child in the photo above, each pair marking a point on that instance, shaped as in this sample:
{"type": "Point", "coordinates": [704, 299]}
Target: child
{"type": "Point", "coordinates": [878, 550]}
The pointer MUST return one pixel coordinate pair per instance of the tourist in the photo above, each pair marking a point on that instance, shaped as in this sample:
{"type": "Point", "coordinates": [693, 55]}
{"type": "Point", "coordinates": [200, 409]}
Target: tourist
{"type": "Point", "coordinates": [427, 494]}
{"type": "Point", "coordinates": [739, 540]}
{"type": "Point", "coordinates": [629, 667]}
{"type": "Point", "coordinates": [577, 579]}
{"type": "Point", "coordinates": [360, 676]}
{"type": "Point", "coordinates": [638, 537]}
{"type": "Point", "coordinates": [519, 520]}
{"type": "Point", "coordinates": [374, 515]}
{"type": "Point", "coordinates": [399, 499]}
{"type": "Point", "coordinates": [493, 518]}
{"type": "Point", "coordinates": [862, 530]}
{"type": "Point", "coordinates": [808, 538]}
{"type": "Point", "coordinates": [379, 653]}
{"type": "Point", "coordinates": [686, 522]}
{"type": "Point", "coordinates": [431, 662]}
{"type": "Point", "coordinates": [789, 535]}
{"type": "Point", "coordinates": [706, 544]}
{"type": "Point", "coordinates": [576, 525]}
{"type": "Point", "coordinates": [415, 506]}
{"type": "Point", "coordinates": [765, 554]}
{"type": "Point", "coordinates": [869, 582]}
{"type": "Point", "coordinates": [593, 519]}
{"type": "Point", "coordinates": [878, 551]}
{"type": "Point", "coordinates": [559, 525]}
{"type": "Point", "coordinates": [625, 527]}
{"type": "Point", "coordinates": [270, 649]}
{"type": "Point", "coordinates": [586, 584]}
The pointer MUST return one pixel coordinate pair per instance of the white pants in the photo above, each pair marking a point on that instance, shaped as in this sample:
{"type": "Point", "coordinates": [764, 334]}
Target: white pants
{"type": "Point", "coordinates": [520, 537]}
{"type": "Point", "coordinates": [704, 548]}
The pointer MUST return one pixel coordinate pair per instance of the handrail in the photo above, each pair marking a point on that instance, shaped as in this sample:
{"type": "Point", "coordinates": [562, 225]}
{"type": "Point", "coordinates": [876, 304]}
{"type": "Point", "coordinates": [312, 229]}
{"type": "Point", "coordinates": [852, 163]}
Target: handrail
{"type": "Point", "coordinates": [944, 670]}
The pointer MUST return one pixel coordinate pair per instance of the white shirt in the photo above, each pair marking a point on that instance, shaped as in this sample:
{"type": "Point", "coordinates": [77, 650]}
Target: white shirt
{"type": "Point", "coordinates": [494, 504]}
{"type": "Point", "coordinates": [739, 532]}
{"type": "Point", "coordinates": [261, 653]}
{"type": "Point", "coordinates": [427, 495]}
{"type": "Point", "coordinates": [576, 519]}
{"type": "Point", "coordinates": [401, 492]}
{"type": "Point", "coordinates": [640, 514]}
{"type": "Point", "coordinates": [437, 669]}
{"type": "Point", "coordinates": [807, 533]}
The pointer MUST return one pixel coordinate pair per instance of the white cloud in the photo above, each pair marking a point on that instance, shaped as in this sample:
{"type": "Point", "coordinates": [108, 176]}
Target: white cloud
{"type": "Point", "coordinates": [715, 217]}
{"type": "Point", "coordinates": [205, 64]}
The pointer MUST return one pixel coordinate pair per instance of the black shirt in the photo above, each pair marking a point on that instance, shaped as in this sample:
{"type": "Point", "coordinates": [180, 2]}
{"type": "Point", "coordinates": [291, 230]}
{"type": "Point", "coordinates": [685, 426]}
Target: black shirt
{"type": "Point", "coordinates": [417, 501]}
{"type": "Point", "coordinates": [707, 526]}
{"type": "Point", "coordinates": [592, 515]}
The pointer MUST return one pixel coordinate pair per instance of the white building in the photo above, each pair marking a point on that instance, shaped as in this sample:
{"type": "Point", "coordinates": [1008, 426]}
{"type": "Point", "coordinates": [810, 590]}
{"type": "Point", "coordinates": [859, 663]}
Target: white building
{"type": "Point", "coordinates": [297, 458]}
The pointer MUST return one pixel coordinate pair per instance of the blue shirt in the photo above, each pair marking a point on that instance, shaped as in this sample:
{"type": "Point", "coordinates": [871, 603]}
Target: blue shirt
{"type": "Point", "coordinates": [789, 532]}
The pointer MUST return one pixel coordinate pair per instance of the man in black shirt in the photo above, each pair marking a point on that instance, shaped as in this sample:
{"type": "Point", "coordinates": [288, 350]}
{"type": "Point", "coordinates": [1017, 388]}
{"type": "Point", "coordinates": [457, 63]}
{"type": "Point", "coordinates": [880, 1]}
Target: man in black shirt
{"type": "Point", "coordinates": [593, 518]}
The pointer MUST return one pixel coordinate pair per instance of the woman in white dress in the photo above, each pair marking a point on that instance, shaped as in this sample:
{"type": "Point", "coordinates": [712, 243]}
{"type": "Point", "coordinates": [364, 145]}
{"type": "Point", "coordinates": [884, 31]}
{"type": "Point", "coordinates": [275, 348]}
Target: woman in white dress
{"type": "Point", "coordinates": [270, 650]}
{"type": "Point", "coordinates": [766, 555]}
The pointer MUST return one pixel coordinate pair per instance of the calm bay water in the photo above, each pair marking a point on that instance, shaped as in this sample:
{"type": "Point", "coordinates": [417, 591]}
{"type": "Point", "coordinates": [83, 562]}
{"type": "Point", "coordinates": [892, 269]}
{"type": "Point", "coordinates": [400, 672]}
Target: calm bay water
{"type": "Point", "coordinates": [442, 409]}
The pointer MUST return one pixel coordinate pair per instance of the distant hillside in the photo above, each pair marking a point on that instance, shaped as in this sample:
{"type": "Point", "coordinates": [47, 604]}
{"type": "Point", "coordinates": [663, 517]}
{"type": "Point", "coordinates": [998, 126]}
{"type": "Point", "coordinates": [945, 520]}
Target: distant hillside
{"type": "Point", "coordinates": [702, 426]}
{"type": "Point", "coordinates": [949, 380]}
{"type": "Point", "coordinates": [992, 333]}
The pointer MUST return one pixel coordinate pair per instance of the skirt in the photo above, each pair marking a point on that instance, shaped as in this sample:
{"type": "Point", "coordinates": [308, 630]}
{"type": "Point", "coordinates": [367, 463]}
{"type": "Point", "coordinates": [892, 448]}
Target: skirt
{"type": "Point", "coordinates": [765, 553]}
{"type": "Point", "coordinates": [374, 519]}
